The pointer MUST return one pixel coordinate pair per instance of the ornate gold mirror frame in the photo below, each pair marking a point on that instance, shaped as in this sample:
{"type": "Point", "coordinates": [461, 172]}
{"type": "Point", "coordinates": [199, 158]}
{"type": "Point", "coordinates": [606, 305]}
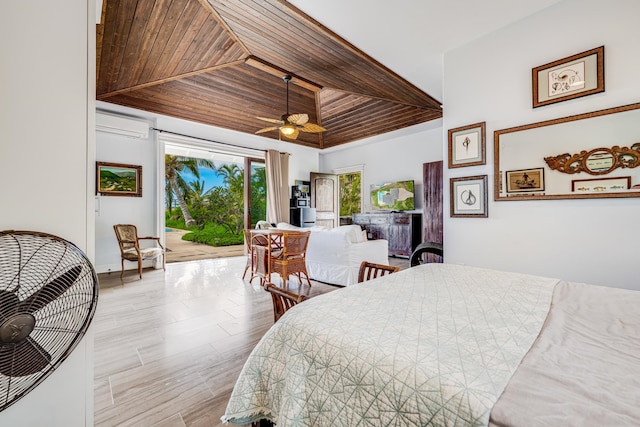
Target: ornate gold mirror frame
{"type": "Point", "coordinates": [591, 155]}
{"type": "Point", "coordinates": [599, 161]}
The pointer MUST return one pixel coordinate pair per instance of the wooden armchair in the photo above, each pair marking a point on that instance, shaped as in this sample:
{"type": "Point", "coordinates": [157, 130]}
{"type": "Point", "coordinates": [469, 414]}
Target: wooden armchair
{"type": "Point", "coordinates": [130, 250]}
{"type": "Point", "coordinates": [291, 259]}
{"type": "Point", "coordinates": [370, 270]}
{"type": "Point", "coordinates": [283, 300]}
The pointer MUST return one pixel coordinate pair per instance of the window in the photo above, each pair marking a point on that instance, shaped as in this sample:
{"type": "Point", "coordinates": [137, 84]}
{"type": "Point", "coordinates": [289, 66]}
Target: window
{"type": "Point", "coordinates": [350, 184]}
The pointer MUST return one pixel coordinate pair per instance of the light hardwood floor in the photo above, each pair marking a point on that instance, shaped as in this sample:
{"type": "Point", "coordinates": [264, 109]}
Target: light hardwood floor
{"type": "Point", "coordinates": [169, 347]}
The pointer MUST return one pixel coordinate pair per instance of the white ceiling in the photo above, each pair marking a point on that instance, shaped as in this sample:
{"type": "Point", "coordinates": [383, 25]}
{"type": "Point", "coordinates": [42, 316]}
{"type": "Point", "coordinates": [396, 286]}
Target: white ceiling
{"type": "Point", "coordinates": [392, 31]}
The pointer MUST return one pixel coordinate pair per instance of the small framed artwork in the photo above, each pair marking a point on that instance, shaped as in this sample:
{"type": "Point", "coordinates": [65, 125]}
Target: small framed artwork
{"type": "Point", "coordinates": [568, 78]}
{"type": "Point", "coordinates": [467, 146]}
{"type": "Point", "coordinates": [117, 179]}
{"type": "Point", "coordinates": [601, 185]}
{"type": "Point", "coordinates": [469, 197]}
{"type": "Point", "coordinates": [525, 180]}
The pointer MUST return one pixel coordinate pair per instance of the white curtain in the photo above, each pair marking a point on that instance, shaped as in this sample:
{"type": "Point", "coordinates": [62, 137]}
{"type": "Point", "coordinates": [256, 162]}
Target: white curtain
{"type": "Point", "coordinates": [277, 165]}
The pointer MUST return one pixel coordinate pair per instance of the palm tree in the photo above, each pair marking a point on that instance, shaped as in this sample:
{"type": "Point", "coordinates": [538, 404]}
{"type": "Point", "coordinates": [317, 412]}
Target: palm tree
{"type": "Point", "coordinates": [232, 175]}
{"type": "Point", "coordinates": [197, 191]}
{"type": "Point", "coordinates": [350, 193]}
{"type": "Point", "coordinates": [173, 169]}
{"type": "Point", "coordinates": [233, 178]}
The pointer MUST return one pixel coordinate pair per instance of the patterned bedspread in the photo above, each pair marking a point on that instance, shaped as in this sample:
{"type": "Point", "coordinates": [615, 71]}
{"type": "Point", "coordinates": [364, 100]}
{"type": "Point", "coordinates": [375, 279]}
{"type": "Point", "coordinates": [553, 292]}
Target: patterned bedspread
{"type": "Point", "coordinates": [432, 345]}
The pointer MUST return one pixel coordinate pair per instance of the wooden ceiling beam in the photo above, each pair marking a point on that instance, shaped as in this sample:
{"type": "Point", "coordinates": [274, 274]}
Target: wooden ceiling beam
{"type": "Point", "coordinates": [104, 96]}
{"type": "Point", "coordinates": [223, 23]}
{"type": "Point", "coordinates": [280, 72]}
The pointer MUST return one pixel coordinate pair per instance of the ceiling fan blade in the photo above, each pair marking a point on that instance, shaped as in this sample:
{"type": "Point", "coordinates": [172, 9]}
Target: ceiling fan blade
{"type": "Point", "coordinates": [8, 304]}
{"type": "Point", "coordinates": [267, 129]}
{"type": "Point", "coordinates": [298, 119]}
{"type": "Point", "coordinates": [51, 290]}
{"type": "Point", "coordinates": [266, 119]}
{"type": "Point", "coordinates": [23, 358]}
{"type": "Point", "coordinates": [313, 128]}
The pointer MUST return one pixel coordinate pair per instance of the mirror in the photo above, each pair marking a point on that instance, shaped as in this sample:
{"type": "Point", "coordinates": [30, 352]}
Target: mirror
{"type": "Point", "coordinates": [590, 155]}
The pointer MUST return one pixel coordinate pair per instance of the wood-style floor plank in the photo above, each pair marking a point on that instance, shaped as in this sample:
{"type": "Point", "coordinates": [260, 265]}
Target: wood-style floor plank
{"type": "Point", "coordinates": [169, 347]}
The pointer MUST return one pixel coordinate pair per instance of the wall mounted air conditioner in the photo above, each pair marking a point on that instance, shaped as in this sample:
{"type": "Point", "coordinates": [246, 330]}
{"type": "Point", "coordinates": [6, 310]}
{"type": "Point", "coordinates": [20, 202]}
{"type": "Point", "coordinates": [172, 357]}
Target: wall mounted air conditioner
{"type": "Point", "coordinates": [122, 126]}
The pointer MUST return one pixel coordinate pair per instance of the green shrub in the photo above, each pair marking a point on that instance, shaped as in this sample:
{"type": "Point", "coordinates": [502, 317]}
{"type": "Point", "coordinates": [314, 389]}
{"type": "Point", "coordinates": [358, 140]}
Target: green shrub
{"type": "Point", "coordinates": [214, 235]}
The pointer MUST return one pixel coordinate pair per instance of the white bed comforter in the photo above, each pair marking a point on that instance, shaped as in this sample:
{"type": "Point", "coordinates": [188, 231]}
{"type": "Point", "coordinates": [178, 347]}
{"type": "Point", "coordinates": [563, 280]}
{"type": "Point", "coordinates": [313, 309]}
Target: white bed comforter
{"type": "Point", "coordinates": [431, 345]}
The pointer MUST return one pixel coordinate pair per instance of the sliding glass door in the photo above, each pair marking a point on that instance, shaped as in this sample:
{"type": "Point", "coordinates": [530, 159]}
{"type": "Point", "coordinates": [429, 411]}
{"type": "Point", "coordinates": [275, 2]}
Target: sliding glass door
{"type": "Point", "coordinates": [211, 196]}
{"type": "Point", "coordinates": [255, 192]}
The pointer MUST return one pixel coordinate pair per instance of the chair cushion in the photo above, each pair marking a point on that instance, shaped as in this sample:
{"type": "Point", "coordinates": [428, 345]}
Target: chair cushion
{"type": "Point", "coordinates": [150, 252]}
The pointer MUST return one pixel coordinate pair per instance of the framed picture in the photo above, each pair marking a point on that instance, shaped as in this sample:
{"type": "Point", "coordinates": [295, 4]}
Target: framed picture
{"type": "Point", "coordinates": [601, 185]}
{"type": "Point", "coordinates": [469, 197]}
{"type": "Point", "coordinates": [568, 78]}
{"type": "Point", "coordinates": [116, 179]}
{"type": "Point", "coordinates": [525, 180]}
{"type": "Point", "coordinates": [467, 146]}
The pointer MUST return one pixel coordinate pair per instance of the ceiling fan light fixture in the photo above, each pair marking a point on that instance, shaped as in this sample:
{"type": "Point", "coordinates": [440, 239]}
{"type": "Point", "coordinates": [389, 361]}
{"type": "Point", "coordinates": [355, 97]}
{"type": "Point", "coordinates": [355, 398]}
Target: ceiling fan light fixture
{"type": "Point", "coordinates": [287, 129]}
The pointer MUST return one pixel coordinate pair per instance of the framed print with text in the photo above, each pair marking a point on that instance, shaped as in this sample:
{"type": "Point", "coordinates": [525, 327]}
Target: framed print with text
{"type": "Point", "coordinates": [601, 185]}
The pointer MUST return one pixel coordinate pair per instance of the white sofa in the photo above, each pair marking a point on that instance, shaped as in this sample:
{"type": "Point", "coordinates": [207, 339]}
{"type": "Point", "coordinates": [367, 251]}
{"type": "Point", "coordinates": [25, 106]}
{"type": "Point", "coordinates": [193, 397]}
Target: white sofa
{"type": "Point", "coordinates": [334, 255]}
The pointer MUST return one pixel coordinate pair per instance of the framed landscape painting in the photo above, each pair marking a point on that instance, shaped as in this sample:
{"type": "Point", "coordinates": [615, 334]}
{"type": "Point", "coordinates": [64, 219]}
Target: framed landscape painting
{"type": "Point", "coordinates": [116, 179]}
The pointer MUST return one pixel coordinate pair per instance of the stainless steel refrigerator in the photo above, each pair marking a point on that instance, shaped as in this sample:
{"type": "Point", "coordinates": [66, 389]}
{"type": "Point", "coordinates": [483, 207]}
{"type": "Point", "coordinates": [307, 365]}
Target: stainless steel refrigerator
{"type": "Point", "coordinates": [303, 217]}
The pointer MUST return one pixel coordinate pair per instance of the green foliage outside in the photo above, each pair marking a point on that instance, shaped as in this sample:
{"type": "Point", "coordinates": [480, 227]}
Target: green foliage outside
{"type": "Point", "coordinates": [216, 215]}
{"type": "Point", "coordinates": [350, 193]}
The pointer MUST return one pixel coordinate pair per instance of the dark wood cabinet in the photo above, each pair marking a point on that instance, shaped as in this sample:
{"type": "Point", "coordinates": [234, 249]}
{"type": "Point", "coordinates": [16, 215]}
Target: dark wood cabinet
{"type": "Point", "coordinates": [402, 230]}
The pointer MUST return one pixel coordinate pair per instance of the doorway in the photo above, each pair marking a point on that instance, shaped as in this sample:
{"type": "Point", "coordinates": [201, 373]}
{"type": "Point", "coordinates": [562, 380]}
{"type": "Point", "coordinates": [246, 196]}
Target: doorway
{"type": "Point", "coordinates": [210, 197]}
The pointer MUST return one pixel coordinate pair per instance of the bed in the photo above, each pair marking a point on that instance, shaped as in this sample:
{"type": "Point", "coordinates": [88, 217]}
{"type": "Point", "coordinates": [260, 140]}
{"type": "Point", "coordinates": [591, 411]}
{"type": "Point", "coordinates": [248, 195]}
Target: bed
{"type": "Point", "coordinates": [449, 345]}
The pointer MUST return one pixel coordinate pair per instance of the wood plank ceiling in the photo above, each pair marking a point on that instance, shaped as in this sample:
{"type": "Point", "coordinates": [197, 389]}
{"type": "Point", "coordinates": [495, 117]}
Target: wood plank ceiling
{"type": "Point", "coordinates": [221, 62]}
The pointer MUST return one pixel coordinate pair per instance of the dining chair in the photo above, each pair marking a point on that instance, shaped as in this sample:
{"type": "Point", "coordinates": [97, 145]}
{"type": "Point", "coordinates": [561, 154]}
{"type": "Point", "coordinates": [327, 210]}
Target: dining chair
{"type": "Point", "coordinates": [283, 300]}
{"type": "Point", "coordinates": [258, 256]}
{"type": "Point", "coordinates": [130, 250]}
{"type": "Point", "coordinates": [291, 259]}
{"type": "Point", "coordinates": [248, 240]}
{"type": "Point", "coordinates": [371, 270]}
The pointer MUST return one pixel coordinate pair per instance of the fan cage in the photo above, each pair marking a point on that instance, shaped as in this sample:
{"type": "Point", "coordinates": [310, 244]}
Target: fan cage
{"type": "Point", "coordinates": [29, 263]}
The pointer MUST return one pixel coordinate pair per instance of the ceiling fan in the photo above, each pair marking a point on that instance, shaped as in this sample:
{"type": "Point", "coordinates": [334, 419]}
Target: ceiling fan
{"type": "Point", "coordinates": [290, 125]}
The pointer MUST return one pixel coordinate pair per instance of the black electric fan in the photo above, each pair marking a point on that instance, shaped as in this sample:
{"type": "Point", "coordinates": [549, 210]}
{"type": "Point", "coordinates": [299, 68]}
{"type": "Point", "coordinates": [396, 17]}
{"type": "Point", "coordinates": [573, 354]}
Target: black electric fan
{"type": "Point", "coordinates": [48, 296]}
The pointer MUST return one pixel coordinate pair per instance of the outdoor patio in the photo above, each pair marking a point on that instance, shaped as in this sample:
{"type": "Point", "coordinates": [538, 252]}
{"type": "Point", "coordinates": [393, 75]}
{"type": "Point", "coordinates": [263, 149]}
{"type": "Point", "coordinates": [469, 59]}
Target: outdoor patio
{"type": "Point", "coordinates": [179, 250]}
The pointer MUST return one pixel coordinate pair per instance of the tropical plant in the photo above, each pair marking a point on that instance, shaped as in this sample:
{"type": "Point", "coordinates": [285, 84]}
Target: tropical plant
{"type": "Point", "coordinates": [258, 194]}
{"type": "Point", "coordinates": [350, 193]}
{"type": "Point", "coordinates": [174, 168]}
{"type": "Point", "coordinates": [196, 191]}
{"type": "Point", "coordinates": [233, 178]}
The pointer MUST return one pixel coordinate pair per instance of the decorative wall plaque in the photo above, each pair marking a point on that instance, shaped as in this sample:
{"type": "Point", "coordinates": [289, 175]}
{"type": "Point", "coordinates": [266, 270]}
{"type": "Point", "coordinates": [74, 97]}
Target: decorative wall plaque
{"type": "Point", "coordinates": [599, 161]}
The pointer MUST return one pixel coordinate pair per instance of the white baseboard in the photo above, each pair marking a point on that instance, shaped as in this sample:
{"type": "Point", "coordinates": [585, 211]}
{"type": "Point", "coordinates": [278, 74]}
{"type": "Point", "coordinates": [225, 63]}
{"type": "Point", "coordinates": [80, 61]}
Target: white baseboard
{"type": "Point", "coordinates": [116, 268]}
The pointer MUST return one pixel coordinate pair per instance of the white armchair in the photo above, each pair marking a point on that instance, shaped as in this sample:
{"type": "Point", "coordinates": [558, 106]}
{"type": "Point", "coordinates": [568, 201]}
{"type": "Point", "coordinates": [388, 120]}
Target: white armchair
{"type": "Point", "coordinates": [334, 255]}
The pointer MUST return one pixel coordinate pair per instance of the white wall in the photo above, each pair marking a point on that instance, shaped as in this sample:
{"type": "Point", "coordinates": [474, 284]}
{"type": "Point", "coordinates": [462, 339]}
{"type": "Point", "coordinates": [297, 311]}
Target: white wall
{"type": "Point", "coordinates": [111, 210]}
{"type": "Point", "coordinates": [394, 156]}
{"type": "Point", "coordinates": [47, 74]}
{"type": "Point", "coordinates": [593, 240]}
